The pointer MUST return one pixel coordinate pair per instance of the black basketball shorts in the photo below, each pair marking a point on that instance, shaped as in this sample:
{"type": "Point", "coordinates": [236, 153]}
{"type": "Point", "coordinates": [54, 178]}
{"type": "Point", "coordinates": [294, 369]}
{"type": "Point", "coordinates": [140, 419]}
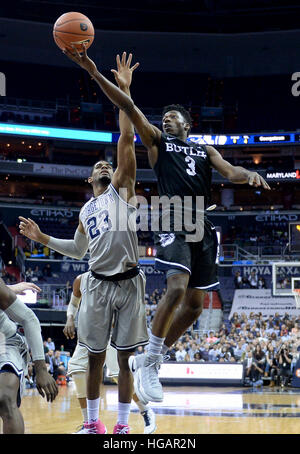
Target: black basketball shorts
{"type": "Point", "coordinates": [199, 259]}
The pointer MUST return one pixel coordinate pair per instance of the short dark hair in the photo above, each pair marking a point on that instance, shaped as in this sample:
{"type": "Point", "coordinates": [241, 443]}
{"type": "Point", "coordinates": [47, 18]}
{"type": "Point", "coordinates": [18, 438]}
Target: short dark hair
{"type": "Point", "coordinates": [178, 108]}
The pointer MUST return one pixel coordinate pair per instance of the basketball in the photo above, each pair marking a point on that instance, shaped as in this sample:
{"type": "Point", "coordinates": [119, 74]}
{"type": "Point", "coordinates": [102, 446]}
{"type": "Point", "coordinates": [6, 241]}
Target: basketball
{"type": "Point", "coordinates": [73, 29]}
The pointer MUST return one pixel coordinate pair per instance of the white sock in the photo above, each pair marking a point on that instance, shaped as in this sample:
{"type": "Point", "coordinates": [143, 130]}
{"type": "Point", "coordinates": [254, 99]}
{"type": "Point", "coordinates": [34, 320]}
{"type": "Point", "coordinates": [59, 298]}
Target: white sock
{"type": "Point", "coordinates": [155, 344]}
{"type": "Point", "coordinates": [84, 414]}
{"type": "Point", "coordinates": [93, 410]}
{"type": "Point", "coordinates": [142, 407]}
{"type": "Point", "coordinates": [164, 349]}
{"type": "Point", "coordinates": [123, 413]}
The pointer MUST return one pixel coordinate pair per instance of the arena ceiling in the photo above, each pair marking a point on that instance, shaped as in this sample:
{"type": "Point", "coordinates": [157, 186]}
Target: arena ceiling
{"type": "Point", "coordinates": [202, 16]}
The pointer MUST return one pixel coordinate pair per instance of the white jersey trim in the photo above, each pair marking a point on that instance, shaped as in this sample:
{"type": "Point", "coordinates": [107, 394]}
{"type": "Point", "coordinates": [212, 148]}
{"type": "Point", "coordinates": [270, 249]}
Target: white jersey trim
{"type": "Point", "coordinates": [119, 197]}
{"type": "Point", "coordinates": [19, 372]}
{"type": "Point", "coordinates": [208, 286]}
{"type": "Point", "coordinates": [178, 265]}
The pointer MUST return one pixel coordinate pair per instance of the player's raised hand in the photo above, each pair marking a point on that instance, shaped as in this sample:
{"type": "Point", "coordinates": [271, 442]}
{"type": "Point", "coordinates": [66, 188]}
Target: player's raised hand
{"type": "Point", "coordinates": [19, 289]}
{"type": "Point", "coordinates": [30, 229]}
{"type": "Point", "coordinates": [81, 58]}
{"type": "Point", "coordinates": [254, 179]}
{"type": "Point", "coordinates": [123, 74]}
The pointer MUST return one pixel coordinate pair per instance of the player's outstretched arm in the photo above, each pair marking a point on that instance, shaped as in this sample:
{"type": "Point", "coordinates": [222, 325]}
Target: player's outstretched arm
{"type": "Point", "coordinates": [76, 248]}
{"type": "Point", "coordinates": [20, 313]}
{"type": "Point", "coordinates": [125, 174]}
{"type": "Point", "coordinates": [235, 174]}
{"type": "Point", "coordinates": [149, 134]}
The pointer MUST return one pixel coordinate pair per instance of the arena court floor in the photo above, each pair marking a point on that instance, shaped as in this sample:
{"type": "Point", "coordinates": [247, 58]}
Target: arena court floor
{"type": "Point", "coordinates": [185, 410]}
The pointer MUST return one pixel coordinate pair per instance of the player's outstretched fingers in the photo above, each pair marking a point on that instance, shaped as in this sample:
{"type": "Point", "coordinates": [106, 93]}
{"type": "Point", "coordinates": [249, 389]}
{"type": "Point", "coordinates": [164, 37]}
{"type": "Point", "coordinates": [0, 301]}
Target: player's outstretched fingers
{"type": "Point", "coordinates": [257, 181]}
{"type": "Point", "coordinates": [251, 179]}
{"type": "Point", "coordinates": [34, 287]}
{"type": "Point", "coordinates": [265, 184]}
{"type": "Point", "coordinates": [40, 390]}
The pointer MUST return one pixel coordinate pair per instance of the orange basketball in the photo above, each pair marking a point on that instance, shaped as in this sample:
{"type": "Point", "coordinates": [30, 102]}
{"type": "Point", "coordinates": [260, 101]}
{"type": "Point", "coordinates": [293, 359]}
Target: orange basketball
{"type": "Point", "coordinates": [73, 29]}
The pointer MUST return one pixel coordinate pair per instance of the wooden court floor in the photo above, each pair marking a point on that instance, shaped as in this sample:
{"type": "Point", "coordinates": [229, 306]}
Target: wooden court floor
{"type": "Point", "coordinates": [185, 410]}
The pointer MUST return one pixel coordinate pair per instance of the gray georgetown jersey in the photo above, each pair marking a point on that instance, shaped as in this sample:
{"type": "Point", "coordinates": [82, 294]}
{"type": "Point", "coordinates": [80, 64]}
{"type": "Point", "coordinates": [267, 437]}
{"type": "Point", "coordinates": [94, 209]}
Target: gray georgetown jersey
{"type": "Point", "coordinates": [110, 226]}
{"type": "Point", "coordinates": [7, 327]}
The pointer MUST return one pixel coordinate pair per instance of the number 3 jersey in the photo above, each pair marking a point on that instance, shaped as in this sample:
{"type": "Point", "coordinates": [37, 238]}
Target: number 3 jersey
{"type": "Point", "coordinates": [183, 169]}
{"type": "Point", "coordinates": [110, 226]}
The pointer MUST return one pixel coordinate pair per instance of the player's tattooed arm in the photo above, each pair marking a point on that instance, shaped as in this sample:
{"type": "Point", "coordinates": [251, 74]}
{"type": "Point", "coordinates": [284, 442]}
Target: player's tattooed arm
{"type": "Point", "coordinates": [150, 135]}
{"type": "Point", "coordinates": [235, 174]}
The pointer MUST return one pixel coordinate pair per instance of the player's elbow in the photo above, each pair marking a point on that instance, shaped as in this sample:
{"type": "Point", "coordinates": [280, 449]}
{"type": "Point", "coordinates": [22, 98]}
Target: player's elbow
{"type": "Point", "coordinates": [127, 136]}
{"type": "Point", "coordinates": [30, 322]}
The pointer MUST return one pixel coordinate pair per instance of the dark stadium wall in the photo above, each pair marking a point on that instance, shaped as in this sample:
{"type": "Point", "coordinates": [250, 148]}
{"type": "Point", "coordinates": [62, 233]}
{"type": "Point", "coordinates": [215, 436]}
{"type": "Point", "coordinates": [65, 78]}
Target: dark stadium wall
{"type": "Point", "coordinates": [221, 55]}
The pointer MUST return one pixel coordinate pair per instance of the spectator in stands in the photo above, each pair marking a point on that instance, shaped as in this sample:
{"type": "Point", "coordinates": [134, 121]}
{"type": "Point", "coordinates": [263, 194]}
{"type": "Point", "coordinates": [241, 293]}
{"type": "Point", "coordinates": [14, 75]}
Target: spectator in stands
{"type": "Point", "coordinates": [204, 351]}
{"type": "Point", "coordinates": [253, 371]}
{"type": "Point", "coordinates": [284, 363]}
{"type": "Point", "coordinates": [211, 339]}
{"type": "Point", "coordinates": [214, 353]}
{"type": "Point", "coordinates": [238, 351]}
{"type": "Point", "coordinates": [50, 344]}
{"type": "Point", "coordinates": [259, 357]}
{"type": "Point", "coordinates": [284, 333]}
{"type": "Point", "coordinates": [253, 281]}
{"type": "Point", "coordinates": [139, 350]}
{"type": "Point", "coordinates": [37, 274]}
{"type": "Point", "coordinates": [245, 282]}
{"type": "Point", "coordinates": [29, 274]}
{"type": "Point", "coordinates": [58, 366]}
{"type": "Point", "coordinates": [261, 282]}
{"type": "Point", "coordinates": [46, 349]}
{"type": "Point", "coordinates": [271, 367]}
{"type": "Point", "coordinates": [295, 356]}
{"type": "Point", "coordinates": [47, 272]}
{"type": "Point", "coordinates": [49, 359]}
{"type": "Point", "coordinates": [193, 350]}
{"type": "Point", "coordinates": [295, 331]}
{"type": "Point", "coordinates": [180, 353]}
{"type": "Point", "coordinates": [197, 358]}
{"type": "Point", "coordinates": [238, 280]}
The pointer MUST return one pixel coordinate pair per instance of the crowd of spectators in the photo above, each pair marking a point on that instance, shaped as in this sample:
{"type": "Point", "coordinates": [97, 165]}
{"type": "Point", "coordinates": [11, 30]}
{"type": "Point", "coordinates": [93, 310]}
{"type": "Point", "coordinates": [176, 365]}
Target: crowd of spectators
{"type": "Point", "coordinates": [56, 363]}
{"type": "Point", "coordinates": [245, 237]}
{"type": "Point", "coordinates": [36, 274]}
{"type": "Point", "coordinates": [251, 281]}
{"type": "Point", "coordinates": [56, 366]}
{"type": "Point", "coordinates": [152, 301]}
{"type": "Point", "coordinates": [8, 278]}
{"type": "Point", "coordinates": [267, 348]}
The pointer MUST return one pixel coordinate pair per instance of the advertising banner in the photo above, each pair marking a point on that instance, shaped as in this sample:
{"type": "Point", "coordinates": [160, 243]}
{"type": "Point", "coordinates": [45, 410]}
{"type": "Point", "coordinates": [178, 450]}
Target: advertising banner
{"type": "Point", "coordinates": [252, 300]}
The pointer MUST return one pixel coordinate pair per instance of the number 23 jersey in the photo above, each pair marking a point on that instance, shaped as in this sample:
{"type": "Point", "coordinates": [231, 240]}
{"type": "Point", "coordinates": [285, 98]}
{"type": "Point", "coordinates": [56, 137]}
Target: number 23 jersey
{"type": "Point", "coordinates": [110, 226]}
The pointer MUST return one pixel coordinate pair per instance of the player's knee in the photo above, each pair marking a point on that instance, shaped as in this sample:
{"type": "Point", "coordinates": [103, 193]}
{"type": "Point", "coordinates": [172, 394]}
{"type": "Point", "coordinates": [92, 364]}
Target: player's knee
{"type": "Point", "coordinates": [96, 359]}
{"type": "Point", "coordinates": [195, 305]}
{"type": "Point", "coordinates": [123, 360]}
{"type": "Point", "coordinates": [194, 302]}
{"type": "Point", "coordinates": [175, 294]}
